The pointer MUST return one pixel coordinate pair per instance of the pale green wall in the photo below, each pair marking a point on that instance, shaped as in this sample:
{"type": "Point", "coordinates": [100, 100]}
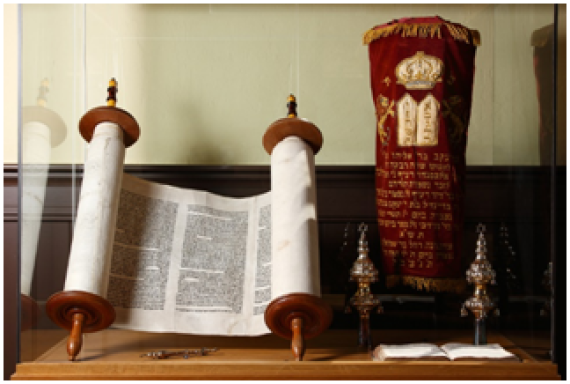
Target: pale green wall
{"type": "Point", "coordinates": [10, 107]}
{"type": "Point", "coordinates": [205, 81]}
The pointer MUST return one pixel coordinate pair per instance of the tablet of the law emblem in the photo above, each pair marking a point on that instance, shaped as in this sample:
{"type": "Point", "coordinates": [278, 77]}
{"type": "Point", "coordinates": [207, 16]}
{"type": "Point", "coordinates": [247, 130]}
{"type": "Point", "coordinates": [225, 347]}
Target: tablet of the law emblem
{"type": "Point", "coordinates": [418, 123]}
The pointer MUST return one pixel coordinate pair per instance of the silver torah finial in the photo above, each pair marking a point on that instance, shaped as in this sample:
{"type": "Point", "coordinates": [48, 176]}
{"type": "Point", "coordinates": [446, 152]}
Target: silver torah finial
{"type": "Point", "coordinates": [480, 273]}
{"type": "Point", "coordinates": [364, 273]}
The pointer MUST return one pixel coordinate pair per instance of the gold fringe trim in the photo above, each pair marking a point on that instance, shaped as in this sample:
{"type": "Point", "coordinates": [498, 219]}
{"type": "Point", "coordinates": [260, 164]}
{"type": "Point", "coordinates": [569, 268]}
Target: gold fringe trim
{"type": "Point", "coordinates": [429, 284]}
{"type": "Point", "coordinates": [423, 30]}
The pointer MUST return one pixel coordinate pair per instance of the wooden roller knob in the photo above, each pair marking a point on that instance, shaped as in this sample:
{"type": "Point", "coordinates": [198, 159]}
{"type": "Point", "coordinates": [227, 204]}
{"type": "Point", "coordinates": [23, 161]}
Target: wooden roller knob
{"type": "Point", "coordinates": [292, 126]}
{"type": "Point", "coordinates": [112, 93]}
{"type": "Point", "coordinates": [298, 317]}
{"type": "Point", "coordinates": [292, 105]}
{"type": "Point", "coordinates": [112, 114]}
{"type": "Point", "coordinates": [75, 340]}
{"type": "Point", "coordinates": [298, 341]}
{"type": "Point", "coordinates": [79, 312]}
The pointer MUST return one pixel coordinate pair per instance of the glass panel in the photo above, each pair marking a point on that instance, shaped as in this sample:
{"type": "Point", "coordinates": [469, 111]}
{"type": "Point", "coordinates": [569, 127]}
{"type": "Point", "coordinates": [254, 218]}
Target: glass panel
{"type": "Point", "coordinates": [52, 99]}
{"type": "Point", "coordinates": [205, 81]}
{"type": "Point", "coordinates": [523, 143]}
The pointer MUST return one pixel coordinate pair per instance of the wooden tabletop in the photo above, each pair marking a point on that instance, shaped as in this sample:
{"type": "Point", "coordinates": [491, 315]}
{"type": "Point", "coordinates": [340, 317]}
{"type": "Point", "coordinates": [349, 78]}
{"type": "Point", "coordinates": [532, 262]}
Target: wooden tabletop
{"type": "Point", "coordinates": [115, 354]}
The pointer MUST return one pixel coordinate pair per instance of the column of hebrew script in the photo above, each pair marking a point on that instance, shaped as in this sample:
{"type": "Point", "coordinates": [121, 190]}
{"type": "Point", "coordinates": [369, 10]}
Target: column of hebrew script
{"type": "Point", "coordinates": [263, 269]}
{"type": "Point", "coordinates": [190, 261]}
{"type": "Point", "coordinates": [213, 261]}
{"type": "Point", "coordinates": [141, 252]}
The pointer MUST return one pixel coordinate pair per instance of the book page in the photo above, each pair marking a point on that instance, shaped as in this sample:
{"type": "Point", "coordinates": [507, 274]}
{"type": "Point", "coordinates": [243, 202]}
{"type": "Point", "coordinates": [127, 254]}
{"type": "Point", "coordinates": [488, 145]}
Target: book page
{"type": "Point", "coordinates": [421, 351]}
{"type": "Point", "coordinates": [461, 351]}
{"type": "Point", "coordinates": [190, 261]}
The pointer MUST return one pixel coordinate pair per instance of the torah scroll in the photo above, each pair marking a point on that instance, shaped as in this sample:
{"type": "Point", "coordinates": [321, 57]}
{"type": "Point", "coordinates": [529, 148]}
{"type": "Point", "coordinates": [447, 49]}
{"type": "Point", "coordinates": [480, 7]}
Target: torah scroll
{"type": "Point", "coordinates": [157, 258]}
{"type": "Point", "coordinates": [190, 261]}
{"type": "Point", "coordinates": [297, 311]}
{"type": "Point", "coordinates": [179, 260]}
{"type": "Point", "coordinates": [81, 307]}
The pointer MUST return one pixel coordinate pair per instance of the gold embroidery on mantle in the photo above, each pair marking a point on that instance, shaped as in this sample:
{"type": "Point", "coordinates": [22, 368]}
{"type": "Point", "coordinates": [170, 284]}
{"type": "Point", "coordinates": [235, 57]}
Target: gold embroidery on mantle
{"type": "Point", "coordinates": [424, 30]}
{"type": "Point", "coordinates": [419, 71]}
{"type": "Point", "coordinates": [429, 284]}
{"type": "Point", "coordinates": [383, 109]}
{"type": "Point", "coordinates": [452, 106]}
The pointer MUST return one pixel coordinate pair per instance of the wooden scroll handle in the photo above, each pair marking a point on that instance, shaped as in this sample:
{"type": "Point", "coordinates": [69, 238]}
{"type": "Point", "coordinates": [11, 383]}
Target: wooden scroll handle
{"type": "Point", "coordinates": [292, 106]}
{"type": "Point", "coordinates": [298, 341]}
{"type": "Point", "coordinates": [75, 340]}
{"type": "Point", "coordinates": [79, 312]}
{"type": "Point", "coordinates": [297, 317]}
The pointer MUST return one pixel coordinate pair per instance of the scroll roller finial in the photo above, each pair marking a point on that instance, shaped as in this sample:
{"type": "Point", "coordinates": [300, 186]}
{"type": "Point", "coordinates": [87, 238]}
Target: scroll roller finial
{"type": "Point", "coordinates": [292, 105]}
{"type": "Point", "coordinates": [112, 91]}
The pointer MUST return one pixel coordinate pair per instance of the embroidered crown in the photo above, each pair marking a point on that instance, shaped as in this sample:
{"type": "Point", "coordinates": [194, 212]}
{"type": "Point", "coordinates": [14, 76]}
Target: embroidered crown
{"type": "Point", "coordinates": [420, 71]}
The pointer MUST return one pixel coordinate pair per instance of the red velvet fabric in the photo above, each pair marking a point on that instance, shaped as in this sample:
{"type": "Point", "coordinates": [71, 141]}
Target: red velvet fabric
{"type": "Point", "coordinates": [420, 188]}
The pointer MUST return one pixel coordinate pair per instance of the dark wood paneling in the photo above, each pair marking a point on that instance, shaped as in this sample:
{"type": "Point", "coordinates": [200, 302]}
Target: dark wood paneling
{"type": "Point", "coordinates": [517, 196]}
{"type": "Point", "coordinates": [343, 191]}
{"type": "Point", "coordinates": [11, 296]}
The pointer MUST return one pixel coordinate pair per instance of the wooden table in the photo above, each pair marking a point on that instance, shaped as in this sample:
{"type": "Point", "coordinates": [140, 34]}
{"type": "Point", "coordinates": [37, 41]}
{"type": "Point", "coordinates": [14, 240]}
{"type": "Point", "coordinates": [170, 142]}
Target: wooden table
{"type": "Point", "coordinates": [115, 354]}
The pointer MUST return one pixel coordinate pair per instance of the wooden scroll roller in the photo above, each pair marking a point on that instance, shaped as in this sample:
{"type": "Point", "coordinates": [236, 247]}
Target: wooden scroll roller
{"type": "Point", "coordinates": [81, 307]}
{"type": "Point", "coordinates": [43, 129]}
{"type": "Point", "coordinates": [297, 312]}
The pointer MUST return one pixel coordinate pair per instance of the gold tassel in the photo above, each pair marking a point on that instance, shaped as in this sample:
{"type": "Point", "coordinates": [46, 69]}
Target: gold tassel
{"type": "Point", "coordinates": [476, 37]}
{"type": "Point", "coordinates": [429, 284]}
{"type": "Point", "coordinates": [422, 30]}
{"type": "Point", "coordinates": [415, 30]}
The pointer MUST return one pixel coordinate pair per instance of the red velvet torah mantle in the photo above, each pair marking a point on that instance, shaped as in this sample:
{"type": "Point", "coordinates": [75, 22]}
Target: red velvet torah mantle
{"type": "Point", "coordinates": [422, 80]}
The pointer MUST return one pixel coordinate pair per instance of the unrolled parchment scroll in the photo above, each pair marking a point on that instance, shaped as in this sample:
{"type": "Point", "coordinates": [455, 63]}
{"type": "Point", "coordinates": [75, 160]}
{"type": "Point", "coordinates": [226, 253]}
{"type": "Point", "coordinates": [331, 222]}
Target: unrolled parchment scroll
{"type": "Point", "coordinates": [191, 261]}
{"type": "Point", "coordinates": [179, 260]}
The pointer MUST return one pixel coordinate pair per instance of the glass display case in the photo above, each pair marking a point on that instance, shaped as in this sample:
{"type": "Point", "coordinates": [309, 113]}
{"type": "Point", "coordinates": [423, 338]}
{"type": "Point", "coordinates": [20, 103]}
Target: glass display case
{"type": "Point", "coordinates": [204, 82]}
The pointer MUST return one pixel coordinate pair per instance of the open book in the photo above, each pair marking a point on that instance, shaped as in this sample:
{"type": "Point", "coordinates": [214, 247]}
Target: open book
{"type": "Point", "coordinates": [449, 351]}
